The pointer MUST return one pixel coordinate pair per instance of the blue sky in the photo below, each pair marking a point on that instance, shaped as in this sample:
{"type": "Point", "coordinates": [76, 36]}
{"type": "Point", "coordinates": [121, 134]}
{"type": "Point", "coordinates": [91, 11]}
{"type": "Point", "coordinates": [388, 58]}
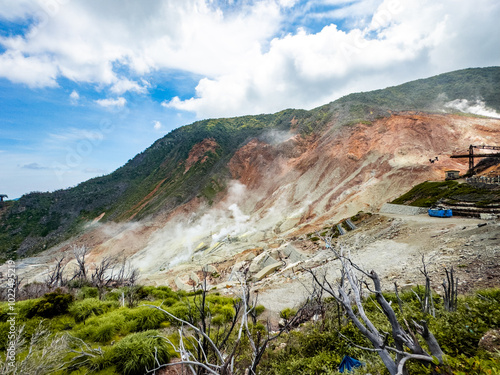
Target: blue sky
{"type": "Point", "coordinates": [86, 85]}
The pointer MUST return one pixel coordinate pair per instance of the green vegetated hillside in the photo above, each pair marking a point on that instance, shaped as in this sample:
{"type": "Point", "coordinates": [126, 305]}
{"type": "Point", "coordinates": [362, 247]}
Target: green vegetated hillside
{"type": "Point", "coordinates": [430, 94]}
{"type": "Point", "coordinates": [428, 194]}
{"type": "Point", "coordinates": [156, 179]}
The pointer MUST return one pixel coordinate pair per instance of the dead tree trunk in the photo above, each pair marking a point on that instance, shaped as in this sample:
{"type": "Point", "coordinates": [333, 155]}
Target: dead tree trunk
{"type": "Point", "coordinates": [55, 277]}
{"type": "Point", "coordinates": [450, 286]}
{"type": "Point", "coordinates": [81, 271]}
{"type": "Point", "coordinates": [216, 354]}
{"type": "Point", "coordinates": [348, 293]}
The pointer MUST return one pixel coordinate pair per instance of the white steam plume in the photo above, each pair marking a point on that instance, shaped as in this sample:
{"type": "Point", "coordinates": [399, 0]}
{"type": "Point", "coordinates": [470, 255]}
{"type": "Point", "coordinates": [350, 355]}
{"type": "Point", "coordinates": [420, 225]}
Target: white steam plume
{"type": "Point", "coordinates": [177, 241]}
{"type": "Point", "coordinates": [477, 107]}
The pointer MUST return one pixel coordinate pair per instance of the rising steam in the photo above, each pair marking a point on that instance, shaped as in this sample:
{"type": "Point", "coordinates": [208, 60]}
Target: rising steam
{"type": "Point", "coordinates": [181, 237]}
{"type": "Point", "coordinates": [477, 107]}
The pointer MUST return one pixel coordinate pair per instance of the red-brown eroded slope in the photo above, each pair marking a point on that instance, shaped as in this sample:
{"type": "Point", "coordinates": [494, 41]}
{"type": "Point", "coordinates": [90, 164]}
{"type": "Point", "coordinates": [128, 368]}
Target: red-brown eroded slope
{"type": "Point", "coordinates": [199, 152]}
{"type": "Point", "coordinates": [357, 167]}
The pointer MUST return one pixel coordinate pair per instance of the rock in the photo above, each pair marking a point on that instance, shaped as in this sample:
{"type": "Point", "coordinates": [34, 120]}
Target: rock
{"type": "Point", "coordinates": [181, 285]}
{"type": "Point", "coordinates": [238, 266]}
{"type": "Point", "coordinates": [490, 341]}
{"type": "Point", "coordinates": [250, 256]}
{"type": "Point", "coordinates": [399, 209]}
{"type": "Point", "coordinates": [255, 266]}
{"type": "Point", "coordinates": [209, 268]}
{"type": "Point", "coordinates": [275, 254]}
{"type": "Point", "coordinates": [488, 216]}
{"type": "Point", "coordinates": [262, 261]}
{"type": "Point", "coordinates": [266, 271]}
{"type": "Point", "coordinates": [194, 277]}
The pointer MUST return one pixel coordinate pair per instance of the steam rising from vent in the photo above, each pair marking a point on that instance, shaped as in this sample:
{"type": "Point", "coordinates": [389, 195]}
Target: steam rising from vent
{"type": "Point", "coordinates": [275, 137]}
{"type": "Point", "coordinates": [182, 237]}
{"type": "Point", "coordinates": [478, 107]}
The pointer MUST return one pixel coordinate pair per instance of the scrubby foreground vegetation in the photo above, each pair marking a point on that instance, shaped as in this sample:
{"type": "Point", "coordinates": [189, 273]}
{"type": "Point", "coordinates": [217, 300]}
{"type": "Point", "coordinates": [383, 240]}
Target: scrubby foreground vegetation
{"type": "Point", "coordinates": [137, 329]}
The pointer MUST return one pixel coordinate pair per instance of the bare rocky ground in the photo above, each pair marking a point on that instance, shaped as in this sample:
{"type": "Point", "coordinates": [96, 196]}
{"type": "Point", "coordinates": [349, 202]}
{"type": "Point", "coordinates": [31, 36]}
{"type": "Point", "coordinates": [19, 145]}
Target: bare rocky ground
{"type": "Point", "coordinates": [393, 246]}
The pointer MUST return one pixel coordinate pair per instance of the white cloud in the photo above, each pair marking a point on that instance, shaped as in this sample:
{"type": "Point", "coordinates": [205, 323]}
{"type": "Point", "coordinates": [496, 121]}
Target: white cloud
{"type": "Point", "coordinates": [86, 40]}
{"type": "Point", "coordinates": [35, 71]}
{"type": "Point", "coordinates": [74, 96]}
{"type": "Point", "coordinates": [34, 166]}
{"type": "Point", "coordinates": [71, 135]}
{"type": "Point", "coordinates": [14, 10]}
{"type": "Point", "coordinates": [157, 125]}
{"type": "Point", "coordinates": [118, 102]}
{"type": "Point", "coordinates": [247, 64]}
{"type": "Point", "coordinates": [124, 85]}
{"type": "Point", "coordinates": [404, 41]}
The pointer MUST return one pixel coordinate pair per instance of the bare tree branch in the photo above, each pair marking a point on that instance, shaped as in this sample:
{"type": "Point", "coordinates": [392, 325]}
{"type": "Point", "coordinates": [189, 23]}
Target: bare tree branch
{"type": "Point", "coordinates": [349, 291]}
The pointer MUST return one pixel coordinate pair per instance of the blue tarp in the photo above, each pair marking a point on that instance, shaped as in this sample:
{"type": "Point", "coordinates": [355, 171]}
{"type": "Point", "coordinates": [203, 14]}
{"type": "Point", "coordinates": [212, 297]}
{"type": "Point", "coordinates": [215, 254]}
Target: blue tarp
{"type": "Point", "coordinates": [440, 212]}
{"type": "Point", "coordinates": [348, 364]}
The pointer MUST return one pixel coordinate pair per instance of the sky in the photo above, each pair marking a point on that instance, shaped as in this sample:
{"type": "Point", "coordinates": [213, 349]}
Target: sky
{"type": "Point", "coordinates": [85, 85]}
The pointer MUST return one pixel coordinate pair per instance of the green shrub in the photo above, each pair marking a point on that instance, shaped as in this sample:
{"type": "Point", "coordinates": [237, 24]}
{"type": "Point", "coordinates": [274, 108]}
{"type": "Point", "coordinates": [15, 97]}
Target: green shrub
{"type": "Point", "coordinates": [180, 310]}
{"type": "Point", "coordinates": [225, 312]}
{"type": "Point", "coordinates": [102, 362]}
{"type": "Point", "coordinates": [51, 304]}
{"type": "Point", "coordinates": [135, 353]}
{"type": "Point", "coordinates": [113, 295]}
{"type": "Point", "coordinates": [23, 307]}
{"type": "Point", "coordinates": [287, 313]}
{"type": "Point", "coordinates": [102, 328]}
{"type": "Point", "coordinates": [465, 365]}
{"type": "Point", "coordinates": [104, 332]}
{"type": "Point", "coordinates": [169, 302]}
{"type": "Point", "coordinates": [324, 363]}
{"type": "Point", "coordinates": [161, 292]}
{"type": "Point", "coordinates": [61, 323]}
{"type": "Point", "coordinates": [82, 310]}
{"type": "Point", "coordinates": [259, 309]}
{"type": "Point", "coordinates": [146, 318]}
{"type": "Point", "coordinates": [4, 310]}
{"type": "Point", "coordinates": [87, 292]}
{"type": "Point", "coordinates": [4, 333]}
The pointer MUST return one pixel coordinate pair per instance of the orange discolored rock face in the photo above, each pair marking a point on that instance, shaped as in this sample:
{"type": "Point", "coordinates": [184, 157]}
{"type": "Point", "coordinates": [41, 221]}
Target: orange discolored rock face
{"type": "Point", "coordinates": [252, 161]}
{"type": "Point", "coordinates": [359, 167]}
{"type": "Point", "coordinates": [199, 152]}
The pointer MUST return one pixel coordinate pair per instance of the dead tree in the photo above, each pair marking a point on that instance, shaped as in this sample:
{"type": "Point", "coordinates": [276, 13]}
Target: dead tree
{"type": "Point", "coordinates": [427, 302]}
{"type": "Point", "coordinates": [450, 286]}
{"type": "Point", "coordinates": [127, 275]}
{"type": "Point", "coordinates": [347, 291]}
{"type": "Point", "coordinates": [55, 277]}
{"type": "Point", "coordinates": [215, 353]}
{"type": "Point", "coordinates": [102, 275]}
{"type": "Point", "coordinates": [80, 253]}
{"type": "Point", "coordinates": [45, 353]}
{"type": "Point", "coordinates": [208, 356]}
{"type": "Point", "coordinates": [260, 341]}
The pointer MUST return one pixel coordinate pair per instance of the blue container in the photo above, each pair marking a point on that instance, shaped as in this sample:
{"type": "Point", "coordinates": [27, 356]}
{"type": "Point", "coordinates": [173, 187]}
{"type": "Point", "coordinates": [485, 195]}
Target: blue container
{"type": "Point", "coordinates": [440, 212]}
